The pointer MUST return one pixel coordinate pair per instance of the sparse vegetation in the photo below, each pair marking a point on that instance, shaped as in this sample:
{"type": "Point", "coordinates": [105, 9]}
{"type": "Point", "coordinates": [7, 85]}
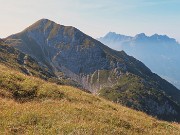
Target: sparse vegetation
{"type": "Point", "coordinates": [13, 58]}
{"type": "Point", "coordinates": [23, 63]}
{"type": "Point", "coordinates": [135, 92]}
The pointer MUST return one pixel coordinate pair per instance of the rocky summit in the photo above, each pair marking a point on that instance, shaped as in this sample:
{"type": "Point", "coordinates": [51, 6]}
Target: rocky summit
{"type": "Point", "coordinates": [66, 51]}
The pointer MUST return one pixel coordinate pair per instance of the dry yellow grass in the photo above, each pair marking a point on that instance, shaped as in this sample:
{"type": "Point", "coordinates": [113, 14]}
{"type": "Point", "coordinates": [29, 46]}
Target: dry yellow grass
{"type": "Point", "coordinates": [54, 109]}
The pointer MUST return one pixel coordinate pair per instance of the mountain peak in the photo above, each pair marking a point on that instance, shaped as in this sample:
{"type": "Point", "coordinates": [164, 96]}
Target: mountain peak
{"type": "Point", "coordinates": [115, 36]}
{"type": "Point", "coordinates": [111, 33]}
{"type": "Point", "coordinates": [164, 38]}
{"type": "Point", "coordinates": [141, 35]}
{"type": "Point", "coordinates": [40, 24]}
{"type": "Point", "coordinates": [45, 20]}
{"type": "Point", "coordinates": [157, 35]}
{"type": "Point", "coordinates": [45, 29]}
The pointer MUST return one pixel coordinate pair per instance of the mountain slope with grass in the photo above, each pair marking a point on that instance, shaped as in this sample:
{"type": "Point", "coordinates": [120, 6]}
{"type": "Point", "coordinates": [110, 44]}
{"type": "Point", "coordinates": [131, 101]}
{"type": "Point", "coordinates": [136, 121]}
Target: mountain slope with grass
{"type": "Point", "coordinates": [30, 105]}
{"type": "Point", "coordinates": [66, 51]}
{"type": "Point", "coordinates": [15, 59]}
{"type": "Point", "coordinates": [24, 63]}
{"type": "Point", "coordinates": [134, 92]}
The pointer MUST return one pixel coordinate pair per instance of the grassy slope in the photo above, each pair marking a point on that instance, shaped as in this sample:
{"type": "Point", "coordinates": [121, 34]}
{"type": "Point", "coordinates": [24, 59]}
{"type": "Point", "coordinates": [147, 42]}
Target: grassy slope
{"type": "Point", "coordinates": [134, 92]}
{"type": "Point", "coordinates": [13, 58]}
{"type": "Point", "coordinates": [21, 62]}
{"type": "Point", "coordinates": [31, 106]}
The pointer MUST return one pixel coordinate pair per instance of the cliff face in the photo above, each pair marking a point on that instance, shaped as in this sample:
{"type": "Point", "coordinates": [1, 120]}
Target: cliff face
{"type": "Point", "coordinates": [66, 51]}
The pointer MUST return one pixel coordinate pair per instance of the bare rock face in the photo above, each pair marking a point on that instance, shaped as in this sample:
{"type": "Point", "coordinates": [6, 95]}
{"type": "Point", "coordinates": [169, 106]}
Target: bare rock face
{"type": "Point", "coordinates": [67, 51]}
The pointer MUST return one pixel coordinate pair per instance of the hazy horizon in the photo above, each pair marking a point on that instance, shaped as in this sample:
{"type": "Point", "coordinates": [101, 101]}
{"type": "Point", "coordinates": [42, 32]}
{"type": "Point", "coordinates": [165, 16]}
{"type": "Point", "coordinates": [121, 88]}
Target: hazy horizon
{"type": "Point", "coordinates": [95, 18]}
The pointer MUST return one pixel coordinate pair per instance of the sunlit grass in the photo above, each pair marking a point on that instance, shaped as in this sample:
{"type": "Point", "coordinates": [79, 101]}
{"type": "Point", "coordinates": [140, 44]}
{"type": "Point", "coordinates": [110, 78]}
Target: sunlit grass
{"type": "Point", "coordinates": [29, 105]}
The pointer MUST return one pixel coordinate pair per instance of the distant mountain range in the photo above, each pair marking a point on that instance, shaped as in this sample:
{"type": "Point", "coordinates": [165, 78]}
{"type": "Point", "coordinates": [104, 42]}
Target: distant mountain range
{"type": "Point", "coordinates": [159, 52]}
{"type": "Point", "coordinates": [67, 53]}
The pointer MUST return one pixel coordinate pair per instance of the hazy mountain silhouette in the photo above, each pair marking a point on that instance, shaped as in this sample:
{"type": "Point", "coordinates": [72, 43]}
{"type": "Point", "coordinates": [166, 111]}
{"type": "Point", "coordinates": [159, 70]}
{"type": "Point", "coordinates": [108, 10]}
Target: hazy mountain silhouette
{"type": "Point", "coordinates": [159, 52]}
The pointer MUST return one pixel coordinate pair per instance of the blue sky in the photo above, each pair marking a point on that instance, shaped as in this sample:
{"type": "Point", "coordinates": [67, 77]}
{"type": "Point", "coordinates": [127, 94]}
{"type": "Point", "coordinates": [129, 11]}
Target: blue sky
{"type": "Point", "coordinates": [95, 17]}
